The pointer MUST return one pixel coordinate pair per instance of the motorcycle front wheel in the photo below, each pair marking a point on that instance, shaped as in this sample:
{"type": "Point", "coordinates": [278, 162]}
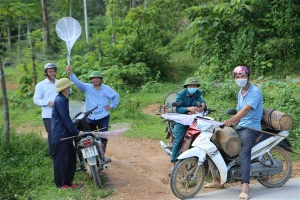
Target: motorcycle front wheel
{"type": "Point", "coordinates": [280, 179]}
{"type": "Point", "coordinates": [183, 180]}
{"type": "Point", "coordinates": [96, 177]}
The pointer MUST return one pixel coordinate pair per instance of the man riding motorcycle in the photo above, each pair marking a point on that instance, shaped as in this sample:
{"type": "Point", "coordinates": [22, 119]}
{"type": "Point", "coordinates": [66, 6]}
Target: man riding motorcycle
{"type": "Point", "coordinates": [187, 99]}
{"type": "Point", "coordinates": [248, 118]}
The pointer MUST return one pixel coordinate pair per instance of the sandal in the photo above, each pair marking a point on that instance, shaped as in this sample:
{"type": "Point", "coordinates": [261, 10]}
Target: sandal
{"type": "Point", "coordinates": [213, 185]}
{"type": "Point", "coordinates": [64, 187]}
{"type": "Point", "coordinates": [75, 186]}
{"type": "Point", "coordinates": [244, 196]}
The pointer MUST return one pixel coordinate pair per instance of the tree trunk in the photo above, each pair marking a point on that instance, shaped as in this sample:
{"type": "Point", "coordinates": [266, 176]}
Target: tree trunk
{"type": "Point", "coordinates": [46, 23]}
{"type": "Point", "coordinates": [19, 40]}
{"type": "Point", "coordinates": [113, 37]}
{"type": "Point", "coordinates": [33, 64]}
{"type": "Point", "coordinates": [5, 102]}
{"type": "Point", "coordinates": [133, 4]}
{"type": "Point", "coordinates": [145, 4]}
{"type": "Point", "coordinates": [9, 43]}
{"type": "Point", "coordinates": [28, 34]}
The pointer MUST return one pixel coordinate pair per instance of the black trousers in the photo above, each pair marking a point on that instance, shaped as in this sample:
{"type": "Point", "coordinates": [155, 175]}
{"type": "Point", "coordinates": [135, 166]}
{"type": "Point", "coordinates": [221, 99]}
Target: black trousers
{"type": "Point", "coordinates": [101, 124]}
{"type": "Point", "coordinates": [64, 164]}
{"type": "Point", "coordinates": [47, 123]}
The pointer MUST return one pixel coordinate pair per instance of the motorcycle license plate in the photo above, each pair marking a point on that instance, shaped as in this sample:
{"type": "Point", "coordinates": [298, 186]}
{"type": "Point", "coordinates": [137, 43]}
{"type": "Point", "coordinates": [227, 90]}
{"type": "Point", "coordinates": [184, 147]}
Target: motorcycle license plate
{"type": "Point", "coordinates": [89, 152]}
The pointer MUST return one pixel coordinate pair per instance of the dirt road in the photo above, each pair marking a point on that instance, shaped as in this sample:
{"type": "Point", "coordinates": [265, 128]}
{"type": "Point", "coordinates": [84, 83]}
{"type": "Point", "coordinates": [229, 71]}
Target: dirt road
{"type": "Point", "coordinates": [140, 170]}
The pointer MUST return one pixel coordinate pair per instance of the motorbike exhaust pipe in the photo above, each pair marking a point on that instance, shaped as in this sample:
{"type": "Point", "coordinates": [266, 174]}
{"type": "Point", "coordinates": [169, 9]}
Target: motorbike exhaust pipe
{"type": "Point", "coordinates": [165, 148]}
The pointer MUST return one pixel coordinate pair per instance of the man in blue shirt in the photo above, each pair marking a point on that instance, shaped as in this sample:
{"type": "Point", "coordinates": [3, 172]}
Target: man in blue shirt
{"type": "Point", "coordinates": [187, 99]}
{"type": "Point", "coordinates": [248, 120]}
{"type": "Point", "coordinates": [62, 127]}
{"type": "Point", "coordinates": [97, 94]}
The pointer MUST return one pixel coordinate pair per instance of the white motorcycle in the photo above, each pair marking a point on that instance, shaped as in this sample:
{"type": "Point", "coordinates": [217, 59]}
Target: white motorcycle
{"type": "Point", "coordinates": [271, 163]}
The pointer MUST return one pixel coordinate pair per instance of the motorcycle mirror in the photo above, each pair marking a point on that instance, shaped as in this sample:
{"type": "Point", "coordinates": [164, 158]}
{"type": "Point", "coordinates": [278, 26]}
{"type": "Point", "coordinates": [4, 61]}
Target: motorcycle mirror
{"type": "Point", "coordinates": [176, 104]}
{"type": "Point", "coordinates": [198, 104]}
{"type": "Point", "coordinates": [231, 111]}
{"type": "Point", "coordinates": [208, 111]}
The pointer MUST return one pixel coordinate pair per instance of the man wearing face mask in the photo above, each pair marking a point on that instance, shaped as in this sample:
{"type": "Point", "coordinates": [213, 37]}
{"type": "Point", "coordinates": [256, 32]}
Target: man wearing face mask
{"type": "Point", "coordinates": [187, 99]}
{"type": "Point", "coordinates": [64, 153]}
{"type": "Point", "coordinates": [250, 112]}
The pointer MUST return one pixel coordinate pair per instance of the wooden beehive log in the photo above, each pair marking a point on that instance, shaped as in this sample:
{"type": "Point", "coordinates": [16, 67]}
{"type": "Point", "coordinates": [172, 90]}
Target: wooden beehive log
{"type": "Point", "coordinates": [227, 140]}
{"type": "Point", "coordinates": [277, 120]}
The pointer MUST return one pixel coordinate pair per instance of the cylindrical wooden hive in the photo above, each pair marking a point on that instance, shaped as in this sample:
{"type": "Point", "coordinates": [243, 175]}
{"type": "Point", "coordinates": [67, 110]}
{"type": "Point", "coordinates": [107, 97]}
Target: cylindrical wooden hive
{"type": "Point", "coordinates": [275, 119]}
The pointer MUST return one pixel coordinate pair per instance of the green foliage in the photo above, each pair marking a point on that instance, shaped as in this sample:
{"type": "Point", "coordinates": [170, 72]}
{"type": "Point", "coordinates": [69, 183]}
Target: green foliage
{"type": "Point", "coordinates": [25, 88]}
{"type": "Point", "coordinates": [126, 65]}
{"type": "Point", "coordinates": [21, 171]}
{"type": "Point", "coordinates": [249, 32]}
{"type": "Point", "coordinates": [128, 75]}
{"type": "Point", "coordinates": [137, 51]}
{"type": "Point", "coordinates": [287, 100]}
{"type": "Point", "coordinates": [27, 172]}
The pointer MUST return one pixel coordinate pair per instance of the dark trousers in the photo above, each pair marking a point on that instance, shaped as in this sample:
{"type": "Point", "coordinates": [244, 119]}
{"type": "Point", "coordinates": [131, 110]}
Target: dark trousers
{"type": "Point", "coordinates": [179, 132]}
{"type": "Point", "coordinates": [99, 124]}
{"type": "Point", "coordinates": [248, 139]}
{"type": "Point", "coordinates": [47, 123]}
{"type": "Point", "coordinates": [64, 164]}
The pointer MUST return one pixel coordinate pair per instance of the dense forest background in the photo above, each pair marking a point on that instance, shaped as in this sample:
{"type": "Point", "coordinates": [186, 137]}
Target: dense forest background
{"type": "Point", "coordinates": [145, 49]}
{"type": "Point", "coordinates": [130, 41]}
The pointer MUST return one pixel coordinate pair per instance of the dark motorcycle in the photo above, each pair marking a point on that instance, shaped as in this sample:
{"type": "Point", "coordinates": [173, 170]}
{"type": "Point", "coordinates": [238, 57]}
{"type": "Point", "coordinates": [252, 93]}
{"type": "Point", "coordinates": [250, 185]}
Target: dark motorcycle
{"type": "Point", "coordinates": [89, 149]}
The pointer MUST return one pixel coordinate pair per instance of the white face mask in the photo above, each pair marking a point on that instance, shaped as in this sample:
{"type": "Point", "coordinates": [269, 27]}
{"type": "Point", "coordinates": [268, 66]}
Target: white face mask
{"type": "Point", "coordinates": [241, 82]}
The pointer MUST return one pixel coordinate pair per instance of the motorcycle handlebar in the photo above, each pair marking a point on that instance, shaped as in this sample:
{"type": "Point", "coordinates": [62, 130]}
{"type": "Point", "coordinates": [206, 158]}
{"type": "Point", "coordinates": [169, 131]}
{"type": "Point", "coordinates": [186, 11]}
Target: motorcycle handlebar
{"type": "Point", "coordinates": [84, 134]}
{"type": "Point", "coordinates": [93, 109]}
{"type": "Point", "coordinates": [90, 111]}
{"type": "Point", "coordinates": [178, 104]}
{"type": "Point", "coordinates": [223, 125]}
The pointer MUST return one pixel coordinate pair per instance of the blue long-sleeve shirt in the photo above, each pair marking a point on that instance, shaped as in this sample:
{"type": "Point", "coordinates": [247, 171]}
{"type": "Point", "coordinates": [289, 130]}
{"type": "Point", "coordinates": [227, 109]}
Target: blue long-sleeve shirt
{"type": "Point", "coordinates": [97, 97]}
{"type": "Point", "coordinates": [187, 101]}
{"type": "Point", "coordinates": [61, 123]}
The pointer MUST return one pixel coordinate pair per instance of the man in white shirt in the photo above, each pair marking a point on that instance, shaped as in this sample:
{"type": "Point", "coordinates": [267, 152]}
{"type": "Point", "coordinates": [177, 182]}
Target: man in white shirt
{"type": "Point", "coordinates": [45, 93]}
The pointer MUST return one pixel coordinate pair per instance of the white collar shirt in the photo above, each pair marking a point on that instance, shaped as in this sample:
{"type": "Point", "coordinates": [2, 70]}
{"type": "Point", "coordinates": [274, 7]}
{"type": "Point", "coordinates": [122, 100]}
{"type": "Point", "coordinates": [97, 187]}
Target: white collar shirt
{"type": "Point", "coordinates": [45, 91]}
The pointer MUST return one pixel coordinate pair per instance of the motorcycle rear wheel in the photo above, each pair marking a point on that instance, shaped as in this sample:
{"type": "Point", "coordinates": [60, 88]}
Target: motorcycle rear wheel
{"type": "Point", "coordinates": [96, 177]}
{"type": "Point", "coordinates": [181, 181]}
{"type": "Point", "coordinates": [280, 179]}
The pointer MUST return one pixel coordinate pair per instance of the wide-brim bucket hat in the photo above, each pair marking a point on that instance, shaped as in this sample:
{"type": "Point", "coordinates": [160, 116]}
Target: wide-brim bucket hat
{"type": "Point", "coordinates": [191, 81]}
{"type": "Point", "coordinates": [63, 84]}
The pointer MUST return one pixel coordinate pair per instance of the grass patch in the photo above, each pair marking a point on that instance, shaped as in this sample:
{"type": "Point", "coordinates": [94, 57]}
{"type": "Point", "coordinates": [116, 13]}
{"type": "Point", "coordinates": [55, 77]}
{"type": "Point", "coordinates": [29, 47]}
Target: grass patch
{"type": "Point", "coordinates": [27, 172]}
{"type": "Point", "coordinates": [182, 65]}
{"type": "Point", "coordinates": [10, 74]}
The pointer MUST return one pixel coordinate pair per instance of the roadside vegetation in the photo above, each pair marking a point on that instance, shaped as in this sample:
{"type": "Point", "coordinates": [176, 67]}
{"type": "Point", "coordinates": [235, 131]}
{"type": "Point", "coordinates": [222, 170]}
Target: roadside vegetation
{"type": "Point", "coordinates": [157, 46]}
{"type": "Point", "coordinates": [27, 170]}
